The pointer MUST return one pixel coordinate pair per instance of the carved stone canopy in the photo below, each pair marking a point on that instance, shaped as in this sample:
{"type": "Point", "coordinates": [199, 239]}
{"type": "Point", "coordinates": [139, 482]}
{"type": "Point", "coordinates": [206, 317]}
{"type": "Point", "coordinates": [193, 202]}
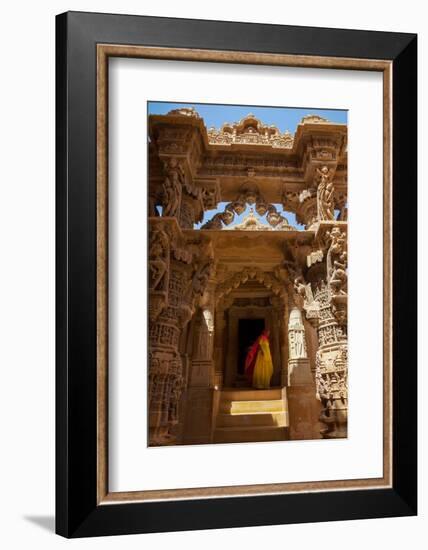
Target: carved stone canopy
{"type": "Point", "coordinates": [220, 161]}
{"type": "Point", "coordinates": [250, 130]}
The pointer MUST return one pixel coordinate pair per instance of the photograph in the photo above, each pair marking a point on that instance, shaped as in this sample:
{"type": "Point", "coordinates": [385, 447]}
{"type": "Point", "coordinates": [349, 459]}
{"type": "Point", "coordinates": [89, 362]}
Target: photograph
{"type": "Point", "coordinates": [247, 273]}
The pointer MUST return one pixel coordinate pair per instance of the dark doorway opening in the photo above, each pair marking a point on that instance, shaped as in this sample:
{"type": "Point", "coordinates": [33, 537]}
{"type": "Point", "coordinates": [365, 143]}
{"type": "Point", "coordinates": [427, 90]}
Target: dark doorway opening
{"type": "Point", "coordinates": [248, 331]}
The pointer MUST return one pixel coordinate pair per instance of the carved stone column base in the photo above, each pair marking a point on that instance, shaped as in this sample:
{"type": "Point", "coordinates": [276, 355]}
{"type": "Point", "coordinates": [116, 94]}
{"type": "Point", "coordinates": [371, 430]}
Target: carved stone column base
{"type": "Point", "coordinates": [303, 406]}
{"type": "Point", "coordinates": [304, 411]}
{"type": "Point", "coordinates": [331, 377]}
{"type": "Point", "coordinates": [335, 418]}
{"type": "Point", "coordinates": [198, 416]}
{"type": "Point", "coordinates": [161, 437]}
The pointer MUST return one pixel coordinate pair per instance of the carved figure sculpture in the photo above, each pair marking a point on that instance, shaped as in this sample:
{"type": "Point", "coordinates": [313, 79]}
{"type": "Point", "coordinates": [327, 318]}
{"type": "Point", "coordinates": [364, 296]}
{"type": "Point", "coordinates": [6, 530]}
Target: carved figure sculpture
{"type": "Point", "coordinates": [201, 277]}
{"type": "Point", "coordinates": [339, 277]}
{"type": "Point", "coordinates": [325, 196]}
{"type": "Point", "coordinates": [171, 194]}
{"type": "Point", "coordinates": [337, 261]}
{"type": "Point", "coordinates": [158, 259]}
{"type": "Point", "coordinates": [300, 287]}
{"type": "Point", "coordinates": [296, 335]}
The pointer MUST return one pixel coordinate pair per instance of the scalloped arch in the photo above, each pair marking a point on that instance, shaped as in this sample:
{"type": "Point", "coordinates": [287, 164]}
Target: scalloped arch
{"type": "Point", "coordinates": [267, 279]}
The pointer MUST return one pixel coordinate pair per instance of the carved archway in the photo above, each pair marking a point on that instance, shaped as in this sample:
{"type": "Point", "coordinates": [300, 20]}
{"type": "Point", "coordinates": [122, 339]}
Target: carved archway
{"type": "Point", "coordinates": [232, 309]}
{"type": "Point", "coordinates": [269, 280]}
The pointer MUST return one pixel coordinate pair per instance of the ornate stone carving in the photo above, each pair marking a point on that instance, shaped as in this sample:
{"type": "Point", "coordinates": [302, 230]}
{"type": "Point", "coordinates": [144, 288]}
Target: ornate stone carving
{"type": "Point", "coordinates": [337, 262]}
{"type": "Point", "coordinates": [324, 300]}
{"type": "Point", "coordinates": [249, 194]}
{"type": "Point", "coordinates": [159, 253]}
{"type": "Point", "coordinates": [185, 111]}
{"type": "Point", "coordinates": [303, 203]}
{"type": "Point", "coordinates": [296, 336]}
{"type": "Point", "coordinates": [305, 299]}
{"type": "Point", "coordinates": [313, 119]}
{"type": "Point", "coordinates": [179, 275]}
{"type": "Point", "coordinates": [250, 131]}
{"type": "Point", "coordinates": [158, 259]}
{"type": "Point", "coordinates": [325, 194]}
{"type": "Point", "coordinates": [172, 187]}
{"type": "Point", "coordinates": [331, 365]}
{"type": "Point", "coordinates": [314, 257]}
{"type": "Point", "coordinates": [165, 387]}
{"type": "Point", "coordinates": [210, 193]}
{"type": "Point", "coordinates": [181, 198]}
{"type": "Point", "coordinates": [238, 165]}
{"type": "Point", "coordinates": [251, 223]}
{"type": "Point", "coordinates": [195, 289]}
{"type": "Point", "coordinates": [250, 273]}
{"type": "Point", "coordinates": [290, 199]}
{"type": "Point", "coordinates": [332, 390]}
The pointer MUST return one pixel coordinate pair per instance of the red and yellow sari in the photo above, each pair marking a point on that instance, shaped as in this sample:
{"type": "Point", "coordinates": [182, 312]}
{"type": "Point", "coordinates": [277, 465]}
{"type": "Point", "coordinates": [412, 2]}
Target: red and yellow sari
{"type": "Point", "coordinates": [258, 363]}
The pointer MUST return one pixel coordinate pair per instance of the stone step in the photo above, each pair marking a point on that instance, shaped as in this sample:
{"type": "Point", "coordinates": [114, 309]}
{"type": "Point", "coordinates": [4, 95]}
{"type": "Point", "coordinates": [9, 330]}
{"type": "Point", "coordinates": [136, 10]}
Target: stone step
{"type": "Point", "coordinates": [232, 394]}
{"type": "Point", "coordinates": [249, 434]}
{"type": "Point", "coordinates": [252, 407]}
{"type": "Point", "coordinates": [255, 420]}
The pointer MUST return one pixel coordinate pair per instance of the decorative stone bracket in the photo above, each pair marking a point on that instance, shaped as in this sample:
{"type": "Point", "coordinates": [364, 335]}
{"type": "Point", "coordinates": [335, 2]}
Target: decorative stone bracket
{"type": "Point", "coordinates": [249, 194]}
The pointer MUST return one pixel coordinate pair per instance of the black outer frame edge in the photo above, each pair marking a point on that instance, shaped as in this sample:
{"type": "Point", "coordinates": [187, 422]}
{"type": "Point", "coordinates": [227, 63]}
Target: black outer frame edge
{"type": "Point", "coordinates": [61, 265]}
{"type": "Point", "coordinates": [404, 291]}
{"type": "Point", "coordinates": [223, 513]}
{"type": "Point", "coordinates": [76, 509]}
{"type": "Point", "coordinates": [236, 36]}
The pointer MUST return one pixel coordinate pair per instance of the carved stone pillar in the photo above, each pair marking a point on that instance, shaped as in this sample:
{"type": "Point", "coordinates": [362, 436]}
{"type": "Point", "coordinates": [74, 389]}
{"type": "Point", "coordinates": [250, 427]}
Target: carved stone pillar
{"type": "Point", "coordinates": [331, 368]}
{"type": "Point", "coordinates": [219, 340]}
{"type": "Point", "coordinates": [202, 369]}
{"type": "Point", "coordinates": [283, 341]}
{"type": "Point", "coordinates": [328, 280]}
{"type": "Point", "coordinates": [165, 366]}
{"type": "Point", "coordinates": [304, 409]}
{"type": "Point", "coordinates": [280, 320]}
{"type": "Point", "coordinates": [177, 278]}
{"type": "Point", "coordinates": [178, 274]}
{"type": "Point", "coordinates": [199, 395]}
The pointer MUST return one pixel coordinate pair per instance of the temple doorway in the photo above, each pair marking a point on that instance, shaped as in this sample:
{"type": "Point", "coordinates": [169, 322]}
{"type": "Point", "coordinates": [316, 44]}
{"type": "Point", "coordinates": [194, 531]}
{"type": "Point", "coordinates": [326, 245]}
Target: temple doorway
{"type": "Point", "coordinates": [248, 331]}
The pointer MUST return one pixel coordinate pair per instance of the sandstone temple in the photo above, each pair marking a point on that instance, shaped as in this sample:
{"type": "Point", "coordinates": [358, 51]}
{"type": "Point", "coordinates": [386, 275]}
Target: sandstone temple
{"type": "Point", "coordinates": [213, 289]}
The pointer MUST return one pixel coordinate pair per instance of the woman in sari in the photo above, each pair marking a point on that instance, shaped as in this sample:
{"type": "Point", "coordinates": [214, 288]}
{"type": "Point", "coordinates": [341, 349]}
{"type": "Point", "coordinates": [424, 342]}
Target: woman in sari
{"type": "Point", "coordinates": [258, 363]}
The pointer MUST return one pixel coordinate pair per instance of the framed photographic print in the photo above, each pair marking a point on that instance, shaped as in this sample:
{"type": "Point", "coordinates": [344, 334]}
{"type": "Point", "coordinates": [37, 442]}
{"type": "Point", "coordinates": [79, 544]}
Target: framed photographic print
{"type": "Point", "coordinates": [236, 265]}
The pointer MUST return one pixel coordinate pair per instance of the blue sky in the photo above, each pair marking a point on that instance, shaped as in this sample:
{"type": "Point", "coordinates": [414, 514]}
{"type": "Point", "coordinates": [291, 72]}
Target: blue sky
{"type": "Point", "coordinates": [284, 118]}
